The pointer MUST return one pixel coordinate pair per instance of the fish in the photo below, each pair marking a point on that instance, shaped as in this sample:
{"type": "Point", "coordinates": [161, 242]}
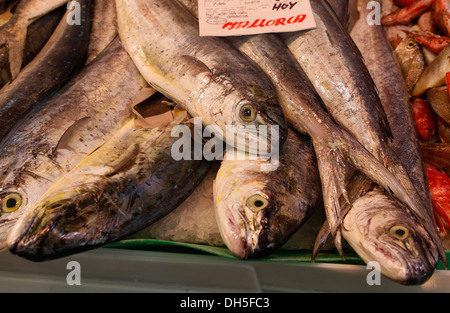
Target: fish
{"type": "Point", "coordinates": [386, 72]}
{"type": "Point", "coordinates": [104, 27]}
{"type": "Point", "coordinates": [426, 23]}
{"type": "Point", "coordinates": [434, 73]}
{"type": "Point", "coordinates": [336, 150]}
{"type": "Point", "coordinates": [435, 43]}
{"type": "Point", "coordinates": [61, 57]}
{"type": "Point", "coordinates": [424, 119]}
{"type": "Point", "coordinates": [13, 34]}
{"type": "Point", "coordinates": [381, 229]}
{"type": "Point", "coordinates": [405, 15]}
{"type": "Point", "coordinates": [214, 81]}
{"type": "Point", "coordinates": [438, 155]}
{"type": "Point", "coordinates": [337, 70]}
{"type": "Point", "coordinates": [411, 58]}
{"type": "Point", "coordinates": [123, 186]}
{"type": "Point", "coordinates": [257, 210]}
{"type": "Point", "coordinates": [443, 130]}
{"type": "Point", "coordinates": [440, 195]}
{"type": "Point", "coordinates": [55, 136]}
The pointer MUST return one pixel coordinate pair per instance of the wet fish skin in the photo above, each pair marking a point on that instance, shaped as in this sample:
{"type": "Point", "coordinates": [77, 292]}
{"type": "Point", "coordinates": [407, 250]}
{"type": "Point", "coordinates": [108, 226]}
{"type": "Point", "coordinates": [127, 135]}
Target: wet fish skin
{"type": "Point", "coordinates": [214, 81]}
{"type": "Point", "coordinates": [123, 186]}
{"type": "Point", "coordinates": [104, 27]}
{"type": "Point", "coordinates": [288, 196]}
{"type": "Point", "coordinates": [380, 228]}
{"type": "Point", "coordinates": [58, 60]}
{"type": "Point", "coordinates": [13, 33]}
{"type": "Point", "coordinates": [54, 137]}
{"type": "Point", "coordinates": [411, 59]}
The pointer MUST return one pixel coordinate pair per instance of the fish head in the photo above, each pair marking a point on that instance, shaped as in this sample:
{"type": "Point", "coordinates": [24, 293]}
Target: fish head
{"type": "Point", "coordinates": [260, 123]}
{"type": "Point", "coordinates": [63, 221]}
{"type": "Point", "coordinates": [254, 212]}
{"type": "Point", "coordinates": [381, 229]}
{"type": "Point", "coordinates": [410, 55]}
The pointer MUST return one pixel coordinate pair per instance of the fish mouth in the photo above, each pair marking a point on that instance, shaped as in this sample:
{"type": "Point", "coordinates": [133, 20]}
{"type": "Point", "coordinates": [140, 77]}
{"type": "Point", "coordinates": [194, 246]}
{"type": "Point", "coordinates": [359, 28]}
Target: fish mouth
{"type": "Point", "coordinates": [55, 231]}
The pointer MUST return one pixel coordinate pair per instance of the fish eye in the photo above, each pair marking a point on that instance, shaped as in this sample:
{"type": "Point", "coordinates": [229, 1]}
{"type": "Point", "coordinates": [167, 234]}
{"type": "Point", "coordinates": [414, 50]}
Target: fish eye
{"type": "Point", "coordinates": [399, 232]}
{"type": "Point", "coordinates": [257, 202]}
{"type": "Point", "coordinates": [11, 202]}
{"type": "Point", "coordinates": [411, 44]}
{"type": "Point", "coordinates": [247, 113]}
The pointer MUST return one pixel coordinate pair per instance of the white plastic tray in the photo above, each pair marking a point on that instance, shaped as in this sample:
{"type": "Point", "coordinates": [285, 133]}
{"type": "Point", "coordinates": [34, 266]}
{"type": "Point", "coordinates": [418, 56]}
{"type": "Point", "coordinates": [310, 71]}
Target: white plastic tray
{"type": "Point", "coordinates": [119, 270]}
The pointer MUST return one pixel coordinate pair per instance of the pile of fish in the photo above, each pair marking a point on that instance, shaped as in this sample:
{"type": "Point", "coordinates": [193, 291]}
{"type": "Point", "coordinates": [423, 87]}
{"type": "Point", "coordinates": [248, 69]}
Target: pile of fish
{"type": "Point", "coordinates": [92, 121]}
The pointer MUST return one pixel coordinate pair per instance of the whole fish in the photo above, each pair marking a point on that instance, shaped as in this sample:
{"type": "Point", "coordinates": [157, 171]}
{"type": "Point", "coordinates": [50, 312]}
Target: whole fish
{"type": "Point", "coordinates": [54, 137]}
{"type": "Point", "coordinates": [256, 210]}
{"type": "Point", "coordinates": [13, 34]}
{"type": "Point", "coordinates": [380, 228]}
{"type": "Point", "coordinates": [336, 68]}
{"type": "Point", "coordinates": [387, 75]}
{"type": "Point", "coordinates": [214, 81]}
{"type": "Point", "coordinates": [334, 147]}
{"type": "Point", "coordinates": [411, 59]}
{"type": "Point", "coordinates": [126, 184]}
{"type": "Point", "coordinates": [104, 27]}
{"type": "Point", "coordinates": [58, 60]}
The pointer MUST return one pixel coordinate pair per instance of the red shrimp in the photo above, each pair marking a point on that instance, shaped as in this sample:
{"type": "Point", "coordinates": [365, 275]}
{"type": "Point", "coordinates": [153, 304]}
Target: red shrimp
{"type": "Point", "coordinates": [407, 14]}
{"type": "Point", "coordinates": [439, 185]}
{"type": "Point", "coordinates": [424, 118]}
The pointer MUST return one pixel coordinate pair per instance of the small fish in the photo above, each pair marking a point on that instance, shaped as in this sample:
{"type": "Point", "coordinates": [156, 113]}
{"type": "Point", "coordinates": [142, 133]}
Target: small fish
{"type": "Point", "coordinates": [124, 185]}
{"type": "Point", "coordinates": [438, 155]}
{"type": "Point", "coordinates": [214, 81]}
{"type": "Point", "coordinates": [257, 210]}
{"type": "Point", "coordinates": [60, 58]}
{"type": "Point", "coordinates": [412, 61]}
{"type": "Point", "coordinates": [434, 74]}
{"type": "Point", "coordinates": [407, 14]}
{"type": "Point", "coordinates": [435, 43]}
{"type": "Point", "coordinates": [424, 119]}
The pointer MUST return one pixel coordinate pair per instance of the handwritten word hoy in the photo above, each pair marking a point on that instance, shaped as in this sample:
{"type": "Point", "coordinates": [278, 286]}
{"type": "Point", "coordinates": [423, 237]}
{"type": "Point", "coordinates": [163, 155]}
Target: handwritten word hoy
{"type": "Point", "coordinates": [284, 6]}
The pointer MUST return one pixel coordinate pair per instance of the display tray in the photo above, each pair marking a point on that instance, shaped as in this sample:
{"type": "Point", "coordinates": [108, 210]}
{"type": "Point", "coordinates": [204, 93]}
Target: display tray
{"type": "Point", "coordinates": [163, 266]}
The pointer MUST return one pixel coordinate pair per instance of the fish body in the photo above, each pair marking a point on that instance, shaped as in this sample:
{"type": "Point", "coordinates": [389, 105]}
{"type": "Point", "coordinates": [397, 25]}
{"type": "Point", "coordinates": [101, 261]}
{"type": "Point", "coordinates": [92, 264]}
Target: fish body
{"type": "Point", "coordinates": [405, 15]}
{"type": "Point", "coordinates": [14, 32]}
{"type": "Point", "coordinates": [53, 138]}
{"type": "Point", "coordinates": [123, 186]}
{"type": "Point", "coordinates": [411, 59]}
{"type": "Point", "coordinates": [104, 27]}
{"type": "Point", "coordinates": [58, 60]}
{"type": "Point", "coordinates": [257, 210]}
{"type": "Point", "coordinates": [213, 81]}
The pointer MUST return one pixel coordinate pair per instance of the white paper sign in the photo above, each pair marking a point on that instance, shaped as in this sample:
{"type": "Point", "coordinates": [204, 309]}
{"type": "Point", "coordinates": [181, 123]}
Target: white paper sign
{"type": "Point", "coordinates": [249, 17]}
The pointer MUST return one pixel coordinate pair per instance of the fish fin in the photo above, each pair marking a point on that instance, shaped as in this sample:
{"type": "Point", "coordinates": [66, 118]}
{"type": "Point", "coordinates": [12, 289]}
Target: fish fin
{"type": "Point", "coordinates": [70, 136]}
{"type": "Point", "coordinates": [321, 239]}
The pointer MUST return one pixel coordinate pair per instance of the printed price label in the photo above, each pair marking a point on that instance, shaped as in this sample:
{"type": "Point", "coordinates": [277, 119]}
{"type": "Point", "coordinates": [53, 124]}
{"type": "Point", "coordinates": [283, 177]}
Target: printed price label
{"type": "Point", "coordinates": [249, 17]}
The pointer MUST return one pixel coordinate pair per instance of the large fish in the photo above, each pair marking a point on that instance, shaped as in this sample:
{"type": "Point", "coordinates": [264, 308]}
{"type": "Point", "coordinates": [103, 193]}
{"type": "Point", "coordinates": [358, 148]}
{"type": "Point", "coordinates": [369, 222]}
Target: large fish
{"type": "Point", "coordinates": [258, 210]}
{"type": "Point", "coordinates": [54, 137]}
{"type": "Point", "coordinates": [123, 186]}
{"type": "Point", "coordinates": [336, 68]}
{"type": "Point", "coordinates": [379, 227]}
{"type": "Point", "coordinates": [205, 75]}
{"type": "Point", "coordinates": [335, 148]}
{"type": "Point", "coordinates": [61, 57]}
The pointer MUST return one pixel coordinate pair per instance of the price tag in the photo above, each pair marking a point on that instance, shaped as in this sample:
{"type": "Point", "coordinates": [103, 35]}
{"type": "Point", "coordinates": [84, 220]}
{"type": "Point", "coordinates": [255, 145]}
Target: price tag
{"type": "Point", "coordinates": [249, 17]}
